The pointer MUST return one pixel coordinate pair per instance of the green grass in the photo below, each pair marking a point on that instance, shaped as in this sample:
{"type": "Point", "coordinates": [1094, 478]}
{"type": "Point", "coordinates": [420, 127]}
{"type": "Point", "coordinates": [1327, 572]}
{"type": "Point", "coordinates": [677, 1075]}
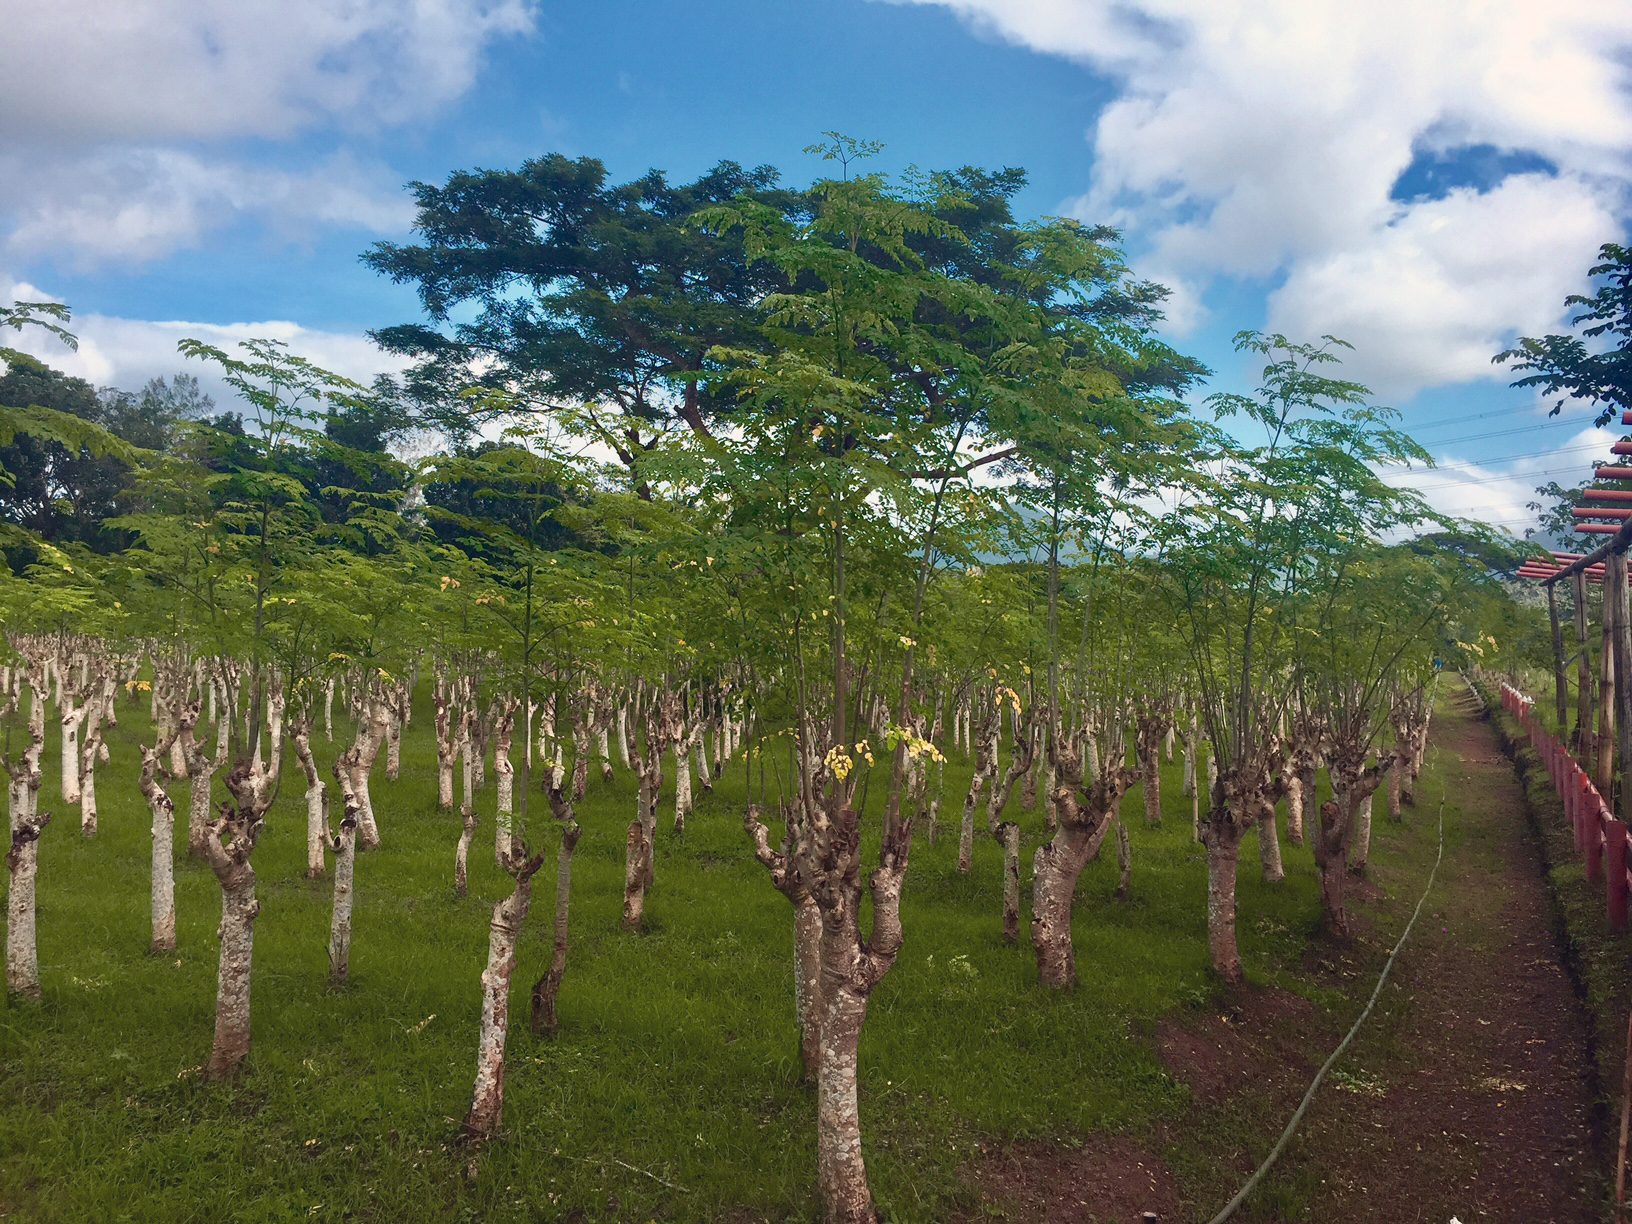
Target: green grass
{"type": "Point", "coordinates": [677, 1057]}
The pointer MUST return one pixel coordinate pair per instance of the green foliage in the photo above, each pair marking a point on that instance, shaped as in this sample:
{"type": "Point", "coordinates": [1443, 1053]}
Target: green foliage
{"type": "Point", "coordinates": [1565, 366]}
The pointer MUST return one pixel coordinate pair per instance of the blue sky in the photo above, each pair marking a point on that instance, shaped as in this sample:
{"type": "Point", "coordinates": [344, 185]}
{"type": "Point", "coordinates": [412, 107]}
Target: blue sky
{"type": "Point", "coordinates": [1425, 184]}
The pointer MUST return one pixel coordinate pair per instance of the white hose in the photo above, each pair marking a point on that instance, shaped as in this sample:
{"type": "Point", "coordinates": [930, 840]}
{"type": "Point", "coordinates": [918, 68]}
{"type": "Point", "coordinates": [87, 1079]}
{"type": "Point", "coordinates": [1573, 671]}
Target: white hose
{"type": "Point", "coordinates": [1303, 1106]}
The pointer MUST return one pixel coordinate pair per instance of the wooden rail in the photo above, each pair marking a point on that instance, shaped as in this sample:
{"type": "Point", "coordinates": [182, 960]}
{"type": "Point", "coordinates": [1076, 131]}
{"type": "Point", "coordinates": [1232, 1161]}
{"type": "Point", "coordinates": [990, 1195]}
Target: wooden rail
{"type": "Point", "coordinates": [1600, 839]}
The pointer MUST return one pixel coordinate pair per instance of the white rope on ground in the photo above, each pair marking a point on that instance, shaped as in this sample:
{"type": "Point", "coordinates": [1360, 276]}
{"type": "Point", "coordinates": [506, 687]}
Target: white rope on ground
{"type": "Point", "coordinates": [1303, 1106]}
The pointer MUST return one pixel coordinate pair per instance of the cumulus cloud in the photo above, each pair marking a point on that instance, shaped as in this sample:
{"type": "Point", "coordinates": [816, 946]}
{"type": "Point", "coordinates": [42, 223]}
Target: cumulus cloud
{"type": "Point", "coordinates": [1263, 140]}
{"type": "Point", "coordinates": [125, 353]}
{"type": "Point", "coordinates": [131, 205]}
{"type": "Point", "coordinates": [161, 70]}
{"type": "Point", "coordinates": [118, 121]}
{"type": "Point", "coordinates": [1498, 495]}
{"type": "Point", "coordinates": [1428, 299]}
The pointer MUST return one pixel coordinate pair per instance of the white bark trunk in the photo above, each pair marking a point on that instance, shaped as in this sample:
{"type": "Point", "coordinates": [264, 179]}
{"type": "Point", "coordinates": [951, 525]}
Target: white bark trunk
{"type": "Point", "coordinates": [487, 1101]}
{"type": "Point", "coordinates": [317, 807]}
{"type": "Point", "coordinates": [368, 832]}
{"type": "Point", "coordinates": [682, 785]}
{"type": "Point", "coordinates": [699, 753]}
{"type": "Point", "coordinates": [237, 935]}
{"type": "Point", "coordinates": [71, 717]}
{"type": "Point", "coordinates": [505, 773]}
{"type": "Point", "coordinates": [1362, 835]}
{"type": "Point", "coordinates": [461, 853]}
{"type": "Point", "coordinates": [393, 748]}
{"type": "Point", "coordinates": [162, 891]}
{"type": "Point", "coordinates": [22, 856]}
{"type": "Point", "coordinates": [344, 846]}
{"type": "Point", "coordinates": [95, 750]}
{"type": "Point", "coordinates": [1269, 848]}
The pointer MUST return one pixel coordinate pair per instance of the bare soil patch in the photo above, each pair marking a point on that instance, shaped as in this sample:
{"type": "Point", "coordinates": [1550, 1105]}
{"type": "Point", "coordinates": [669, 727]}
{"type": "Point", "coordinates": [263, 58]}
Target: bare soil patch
{"type": "Point", "coordinates": [1258, 1033]}
{"type": "Point", "coordinates": [1112, 1179]}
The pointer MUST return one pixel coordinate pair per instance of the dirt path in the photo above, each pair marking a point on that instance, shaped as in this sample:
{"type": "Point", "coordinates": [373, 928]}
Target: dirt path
{"type": "Point", "coordinates": [1466, 1096]}
{"type": "Point", "coordinates": [1469, 1095]}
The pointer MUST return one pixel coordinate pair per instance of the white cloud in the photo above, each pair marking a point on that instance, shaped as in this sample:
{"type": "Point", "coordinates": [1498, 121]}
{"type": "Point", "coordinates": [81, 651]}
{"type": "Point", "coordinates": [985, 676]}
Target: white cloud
{"type": "Point", "coordinates": [1429, 298]}
{"type": "Point", "coordinates": [113, 116]}
{"type": "Point", "coordinates": [1499, 496]}
{"type": "Point", "coordinates": [132, 205]}
{"type": "Point", "coordinates": [1261, 138]}
{"type": "Point", "coordinates": [126, 353]}
{"type": "Point", "coordinates": [160, 70]}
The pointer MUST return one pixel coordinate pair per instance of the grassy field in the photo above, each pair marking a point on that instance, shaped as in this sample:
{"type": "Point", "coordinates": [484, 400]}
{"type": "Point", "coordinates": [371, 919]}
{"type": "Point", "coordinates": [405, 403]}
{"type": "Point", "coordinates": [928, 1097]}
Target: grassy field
{"type": "Point", "coordinates": [671, 1091]}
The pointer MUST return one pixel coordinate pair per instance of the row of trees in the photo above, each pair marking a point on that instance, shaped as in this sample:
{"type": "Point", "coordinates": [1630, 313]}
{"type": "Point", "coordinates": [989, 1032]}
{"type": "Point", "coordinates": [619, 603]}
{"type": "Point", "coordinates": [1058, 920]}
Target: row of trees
{"type": "Point", "coordinates": [815, 484]}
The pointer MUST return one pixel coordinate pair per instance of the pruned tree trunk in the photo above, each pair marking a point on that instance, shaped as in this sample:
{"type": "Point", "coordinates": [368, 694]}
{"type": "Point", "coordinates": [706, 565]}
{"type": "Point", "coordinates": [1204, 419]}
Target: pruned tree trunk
{"type": "Point", "coordinates": [639, 847]}
{"type": "Point", "coordinates": [985, 767]}
{"type": "Point", "coordinates": [1221, 946]}
{"type": "Point", "coordinates": [393, 747]}
{"type": "Point", "coordinates": [368, 748]}
{"type": "Point", "coordinates": [201, 770]}
{"type": "Point", "coordinates": [1239, 797]}
{"type": "Point", "coordinates": [1085, 818]}
{"type": "Point", "coordinates": [682, 782]}
{"type": "Point", "coordinates": [547, 987]}
{"type": "Point", "coordinates": [480, 731]}
{"type": "Point", "coordinates": [229, 842]}
{"type": "Point", "coordinates": [467, 762]}
{"type": "Point", "coordinates": [1352, 783]}
{"type": "Point", "coordinates": [1008, 835]}
{"type": "Point", "coordinates": [1152, 727]}
{"type": "Point", "coordinates": [344, 846]}
{"type": "Point", "coordinates": [636, 875]}
{"type": "Point", "coordinates": [446, 749]}
{"type": "Point", "coordinates": [1394, 772]}
{"type": "Point", "coordinates": [580, 756]}
{"type": "Point", "coordinates": [1192, 735]}
{"type": "Point", "coordinates": [699, 755]}
{"type": "Point", "coordinates": [162, 874]}
{"type": "Point", "coordinates": [807, 934]}
{"type": "Point", "coordinates": [1361, 852]}
{"type": "Point", "coordinates": [1269, 847]}
{"type": "Point", "coordinates": [461, 854]}
{"type": "Point", "coordinates": [317, 806]}
{"type": "Point", "coordinates": [1055, 869]}
{"type": "Point", "coordinates": [505, 773]}
{"type": "Point", "coordinates": [487, 1100]}
{"type": "Point", "coordinates": [1294, 807]}
{"type": "Point", "coordinates": [95, 710]}
{"type": "Point", "coordinates": [71, 718]}
{"type": "Point", "coordinates": [851, 968]}
{"type": "Point", "coordinates": [22, 865]}
{"type": "Point", "coordinates": [1331, 861]}
{"type": "Point", "coordinates": [22, 854]}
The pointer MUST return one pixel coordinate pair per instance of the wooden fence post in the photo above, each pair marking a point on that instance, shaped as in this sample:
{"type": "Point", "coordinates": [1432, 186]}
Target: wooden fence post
{"type": "Point", "coordinates": [1615, 872]}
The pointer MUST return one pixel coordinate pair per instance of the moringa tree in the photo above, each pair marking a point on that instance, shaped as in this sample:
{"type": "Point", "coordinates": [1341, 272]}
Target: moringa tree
{"type": "Point", "coordinates": [1237, 566]}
